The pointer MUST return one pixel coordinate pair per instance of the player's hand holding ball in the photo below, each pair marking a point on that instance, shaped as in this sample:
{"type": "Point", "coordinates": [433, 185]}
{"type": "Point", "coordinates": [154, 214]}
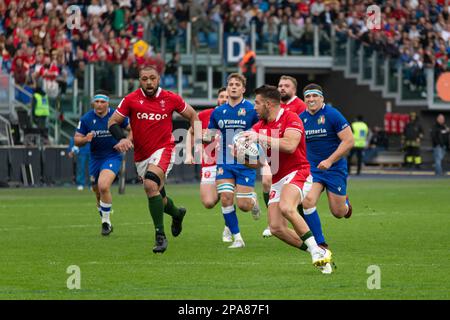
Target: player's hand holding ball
{"type": "Point", "coordinates": [246, 150]}
{"type": "Point", "coordinates": [249, 136]}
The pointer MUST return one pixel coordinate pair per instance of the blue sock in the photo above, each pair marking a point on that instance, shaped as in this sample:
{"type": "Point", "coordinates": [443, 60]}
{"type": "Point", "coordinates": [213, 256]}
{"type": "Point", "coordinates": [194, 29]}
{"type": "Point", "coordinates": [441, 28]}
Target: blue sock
{"type": "Point", "coordinates": [231, 220]}
{"type": "Point", "coordinates": [313, 221]}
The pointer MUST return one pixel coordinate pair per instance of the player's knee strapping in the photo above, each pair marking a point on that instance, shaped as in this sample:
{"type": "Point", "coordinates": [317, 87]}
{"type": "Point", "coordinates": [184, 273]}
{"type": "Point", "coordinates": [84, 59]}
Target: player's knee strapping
{"type": "Point", "coordinates": [153, 177]}
{"type": "Point", "coordinates": [225, 187]}
{"type": "Point", "coordinates": [248, 195]}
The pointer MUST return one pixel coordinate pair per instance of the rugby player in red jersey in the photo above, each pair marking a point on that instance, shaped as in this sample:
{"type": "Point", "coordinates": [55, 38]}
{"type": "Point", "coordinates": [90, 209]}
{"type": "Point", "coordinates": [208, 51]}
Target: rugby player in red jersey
{"type": "Point", "coordinates": [150, 109]}
{"type": "Point", "coordinates": [281, 134]}
{"type": "Point", "coordinates": [287, 86]}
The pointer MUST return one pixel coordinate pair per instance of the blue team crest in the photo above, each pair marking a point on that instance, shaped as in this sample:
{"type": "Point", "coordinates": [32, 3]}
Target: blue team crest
{"type": "Point", "coordinates": [220, 171]}
{"type": "Point", "coordinates": [241, 112]}
{"type": "Point", "coordinates": [321, 120]}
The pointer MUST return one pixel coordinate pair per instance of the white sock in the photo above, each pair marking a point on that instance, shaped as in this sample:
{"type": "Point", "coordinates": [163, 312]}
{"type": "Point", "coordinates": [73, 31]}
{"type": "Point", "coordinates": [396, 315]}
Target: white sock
{"type": "Point", "coordinates": [237, 236]}
{"type": "Point", "coordinates": [106, 210]}
{"type": "Point", "coordinates": [312, 245]}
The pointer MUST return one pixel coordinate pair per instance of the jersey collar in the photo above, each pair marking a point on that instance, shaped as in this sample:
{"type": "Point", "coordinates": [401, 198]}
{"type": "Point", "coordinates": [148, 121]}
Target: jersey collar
{"type": "Point", "coordinates": [323, 107]}
{"type": "Point", "coordinates": [95, 113]}
{"type": "Point", "coordinates": [156, 95]}
{"type": "Point", "coordinates": [280, 113]}
{"type": "Point", "coordinates": [292, 99]}
{"type": "Point", "coordinates": [242, 101]}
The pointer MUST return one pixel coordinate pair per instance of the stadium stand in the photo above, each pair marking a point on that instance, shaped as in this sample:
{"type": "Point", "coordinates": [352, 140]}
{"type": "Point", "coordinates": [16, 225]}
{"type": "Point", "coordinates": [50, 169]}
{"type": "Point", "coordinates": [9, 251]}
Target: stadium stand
{"type": "Point", "coordinates": [36, 44]}
{"type": "Point", "coordinates": [43, 42]}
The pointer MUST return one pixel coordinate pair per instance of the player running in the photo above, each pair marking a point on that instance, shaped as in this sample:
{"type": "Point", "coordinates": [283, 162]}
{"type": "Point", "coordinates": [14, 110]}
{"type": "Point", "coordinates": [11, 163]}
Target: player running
{"type": "Point", "coordinates": [105, 161]}
{"type": "Point", "coordinates": [208, 190]}
{"type": "Point", "coordinates": [281, 135]}
{"type": "Point", "coordinates": [230, 118]}
{"type": "Point", "coordinates": [328, 139]}
{"type": "Point", "coordinates": [150, 111]}
{"type": "Point", "coordinates": [287, 86]}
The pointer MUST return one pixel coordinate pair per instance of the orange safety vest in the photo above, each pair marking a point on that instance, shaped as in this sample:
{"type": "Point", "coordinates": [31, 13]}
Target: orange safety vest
{"type": "Point", "coordinates": [245, 59]}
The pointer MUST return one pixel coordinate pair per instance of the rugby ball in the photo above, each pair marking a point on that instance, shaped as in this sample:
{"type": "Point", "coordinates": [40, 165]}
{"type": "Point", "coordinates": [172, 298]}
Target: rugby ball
{"type": "Point", "coordinates": [251, 150]}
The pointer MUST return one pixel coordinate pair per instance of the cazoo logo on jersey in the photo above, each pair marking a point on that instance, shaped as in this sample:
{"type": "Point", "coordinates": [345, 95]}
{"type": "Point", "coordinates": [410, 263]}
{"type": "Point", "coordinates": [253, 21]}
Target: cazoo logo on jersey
{"type": "Point", "coordinates": [151, 116]}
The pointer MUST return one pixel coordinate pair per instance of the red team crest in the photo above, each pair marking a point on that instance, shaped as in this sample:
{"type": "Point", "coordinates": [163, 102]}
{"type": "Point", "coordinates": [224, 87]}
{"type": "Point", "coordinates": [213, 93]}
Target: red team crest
{"type": "Point", "coordinates": [272, 194]}
{"type": "Point", "coordinates": [207, 174]}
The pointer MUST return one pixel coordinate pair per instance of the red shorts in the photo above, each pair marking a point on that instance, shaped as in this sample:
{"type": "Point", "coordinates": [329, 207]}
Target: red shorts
{"type": "Point", "coordinates": [299, 178]}
{"type": "Point", "coordinates": [163, 158]}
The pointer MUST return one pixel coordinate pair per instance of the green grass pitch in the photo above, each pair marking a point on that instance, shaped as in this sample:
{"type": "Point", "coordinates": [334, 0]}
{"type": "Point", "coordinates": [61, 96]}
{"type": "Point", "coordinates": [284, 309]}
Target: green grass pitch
{"type": "Point", "coordinates": [401, 226]}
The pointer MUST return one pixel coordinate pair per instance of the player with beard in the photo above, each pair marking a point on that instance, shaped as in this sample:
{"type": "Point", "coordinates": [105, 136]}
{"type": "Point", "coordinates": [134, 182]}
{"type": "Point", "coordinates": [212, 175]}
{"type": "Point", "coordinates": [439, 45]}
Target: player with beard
{"type": "Point", "coordinates": [287, 86]}
{"type": "Point", "coordinates": [281, 135]}
{"type": "Point", "coordinates": [150, 110]}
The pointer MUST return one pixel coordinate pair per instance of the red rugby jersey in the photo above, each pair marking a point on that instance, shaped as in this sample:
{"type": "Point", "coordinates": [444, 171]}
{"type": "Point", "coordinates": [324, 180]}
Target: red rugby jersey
{"type": "Point", "coordinates": [295, 105]}
{"type": "Point", "coordinates": [151, 120]}
{"type": "Point", "coordinates": [285, 163]}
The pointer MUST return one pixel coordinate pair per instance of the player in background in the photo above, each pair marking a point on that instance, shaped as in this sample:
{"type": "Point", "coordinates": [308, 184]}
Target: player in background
{"type": "Point", "coordinates": [208, 189]}
{"type": "Point", "coordinates": [105, 161]}
{"type": "Point", "coordinates": [328, 139]}
{"type": "Point", "coordinates": [236, 115]}
{"type": "Point", "coordinates": [150, 110]}
{"type": "Point", "coordinates": [287, 86]}
{"type": "Point", "coordinates": [281, 135]}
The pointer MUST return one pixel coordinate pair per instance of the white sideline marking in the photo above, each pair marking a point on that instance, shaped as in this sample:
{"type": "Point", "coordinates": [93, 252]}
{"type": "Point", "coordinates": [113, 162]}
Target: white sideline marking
{"type": "Point", "coordinates": [25, 228]}
{"type": "Point", "coordinates": [68, 226]}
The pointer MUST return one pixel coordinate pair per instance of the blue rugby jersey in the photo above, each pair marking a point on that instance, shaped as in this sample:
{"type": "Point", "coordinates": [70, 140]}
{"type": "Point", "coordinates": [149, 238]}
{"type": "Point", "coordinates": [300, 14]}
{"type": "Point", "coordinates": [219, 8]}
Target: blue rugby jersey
{"type": "Point", "coordinates": [230, 121]}
{"type": "Point", "coordinates": [321, 130]}
{"type": "Point", "coordinates": [103, 142]}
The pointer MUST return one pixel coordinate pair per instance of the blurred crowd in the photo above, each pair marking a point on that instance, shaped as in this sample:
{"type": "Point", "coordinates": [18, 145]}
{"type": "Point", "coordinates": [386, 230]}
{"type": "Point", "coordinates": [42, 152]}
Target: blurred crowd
{"type": "Point", "coordinates": [36, 44]}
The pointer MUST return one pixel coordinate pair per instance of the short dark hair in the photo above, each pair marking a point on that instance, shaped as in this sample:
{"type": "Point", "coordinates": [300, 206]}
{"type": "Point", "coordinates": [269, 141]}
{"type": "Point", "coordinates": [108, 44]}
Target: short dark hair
{"type": "Point", "coordinates": [221, 89]}
{"type": "Point", "coordinates": [312, 86]}
{"type": "Point", "coordinates": [147, 68]}
{"type": "Point", "coordinates": [269, 92]}
{"type": "Point", "coordinates": [100, 91]}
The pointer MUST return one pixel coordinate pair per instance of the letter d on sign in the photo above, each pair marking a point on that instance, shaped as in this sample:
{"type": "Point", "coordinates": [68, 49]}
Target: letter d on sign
{"type": "Point", "coordinates": [374, 281]}
{"type": "Point", "coordinates": [232, 40]}
{"type": "Point", "coordinates": [74, 280]}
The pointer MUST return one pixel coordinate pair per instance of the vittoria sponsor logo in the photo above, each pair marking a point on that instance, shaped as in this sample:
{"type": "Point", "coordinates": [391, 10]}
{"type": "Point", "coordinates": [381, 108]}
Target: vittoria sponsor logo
{"type": "Point", "coordinates": [316, 131]}
{"type": "Point", "coordinates": [150, 116]}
